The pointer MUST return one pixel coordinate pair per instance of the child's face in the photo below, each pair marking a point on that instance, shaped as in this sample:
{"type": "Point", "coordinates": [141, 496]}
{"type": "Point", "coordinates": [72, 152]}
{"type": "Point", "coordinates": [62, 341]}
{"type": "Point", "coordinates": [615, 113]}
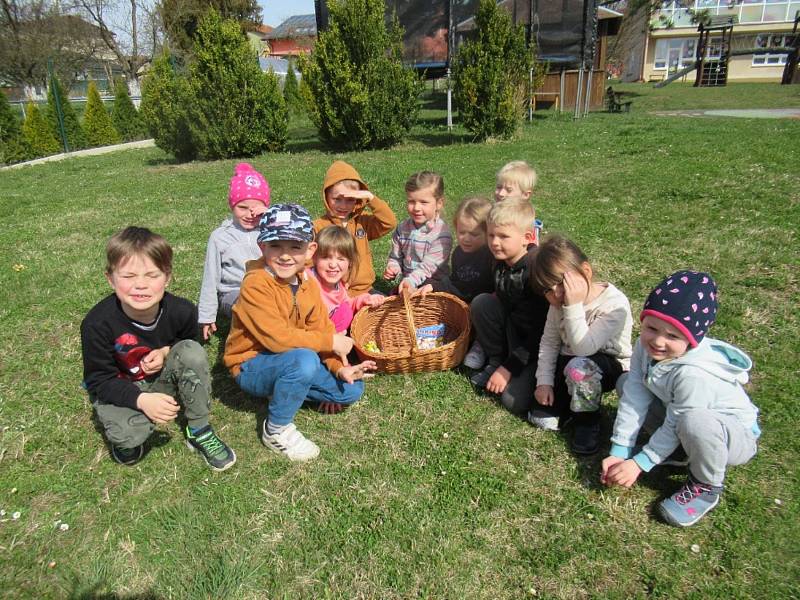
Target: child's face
{"type": "Point", "coordinates": [286, 258]}
{"type": "Point", "coordinates": [470, 234]}
{"type": "Point", "coordinates": [509, 190]}
{"type": "Point", "coordinates": [340, 202]}
{"type": "Point", "coordinates": [508, 242]}
{"type": "Point", "coordinates": [331, 268]}
{"type": "Point", "coordinates": [661, 340]}
{"type": "Point", "coordinates": [247, 213]}
{"type": "Point", "coordinates": [579, 279]}
{"type": "Point", "coordinates": [139, 284]}
{"type": "Point", "coordinates": [423, 206]}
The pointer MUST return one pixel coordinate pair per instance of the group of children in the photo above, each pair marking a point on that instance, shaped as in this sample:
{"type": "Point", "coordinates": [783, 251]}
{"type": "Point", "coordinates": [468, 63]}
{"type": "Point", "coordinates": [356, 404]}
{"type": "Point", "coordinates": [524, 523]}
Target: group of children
{"type": "Point", "coordinates": [550, 339]}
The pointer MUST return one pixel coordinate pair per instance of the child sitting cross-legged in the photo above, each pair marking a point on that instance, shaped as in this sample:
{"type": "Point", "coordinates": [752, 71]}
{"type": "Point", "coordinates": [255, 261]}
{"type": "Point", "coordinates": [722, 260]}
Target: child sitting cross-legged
{"type": "Point", "coordinates": [586, 344]}
{"type": "Point", "coordinates": [688, 390]}
{"type": "Point", "coordinates": [282, 345]}
{"type": "Point", "coordinates": [335, 259]}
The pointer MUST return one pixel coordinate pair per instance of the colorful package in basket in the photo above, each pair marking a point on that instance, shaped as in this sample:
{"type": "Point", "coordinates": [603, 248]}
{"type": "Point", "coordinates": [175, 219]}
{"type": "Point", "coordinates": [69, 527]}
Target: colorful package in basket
{"type": "Point", "coordinates": [430, 336]}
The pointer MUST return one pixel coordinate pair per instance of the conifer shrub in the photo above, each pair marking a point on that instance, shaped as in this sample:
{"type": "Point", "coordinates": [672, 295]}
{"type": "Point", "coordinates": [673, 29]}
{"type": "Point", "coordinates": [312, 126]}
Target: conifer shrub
{"type": "Point", "coordinates": [237, 110]}
{"type": "Point", "coordinates": [291, 91]}
{"type": "Point", "coordinates": [76, 138]}
{"type": "Point", "coordinates": [124, 115]}
{"type": "Point", "coordinates": [38, 133]}
{"type": "Point", "coordinates": [13, 146]}
{"type": "Point", "coordinates": [491, 74]}
{"type": "Point", "coordinates": [165, 96]}
{"type": "Point", "coordinates": [97, 122]}
{"type": "Point", "coordinates": [355, 87]}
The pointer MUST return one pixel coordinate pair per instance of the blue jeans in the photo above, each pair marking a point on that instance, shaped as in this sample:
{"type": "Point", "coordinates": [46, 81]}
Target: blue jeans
{"type": "Point", "coordinates": [288, 378]}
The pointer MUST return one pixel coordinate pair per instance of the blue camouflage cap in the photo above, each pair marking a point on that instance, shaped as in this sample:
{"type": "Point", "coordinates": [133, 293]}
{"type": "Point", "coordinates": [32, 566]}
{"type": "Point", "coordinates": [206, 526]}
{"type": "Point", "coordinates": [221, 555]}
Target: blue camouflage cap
{"type": "Point", "coordinates": [285, 222]}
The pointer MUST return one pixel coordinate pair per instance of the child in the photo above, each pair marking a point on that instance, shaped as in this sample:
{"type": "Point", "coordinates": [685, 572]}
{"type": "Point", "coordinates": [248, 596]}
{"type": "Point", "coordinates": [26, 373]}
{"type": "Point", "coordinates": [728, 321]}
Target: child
{"type": "Point", "coordinates": [472, 270]}
{"type": "Point", "coordinates": [586, 344]}
{"type": "Point", "coordinates": [509, 323]}
{"type": "Point", "coordinates": [346, 197]}
{"type": "Point", "coordinates": [692, 387]}
{"type": "Point", "coordinates": [280, 327]}
{"type": "Point", "coordinates": [334, 260]}
{"type": "Point", "coordinates": [231, 245]}
{"type": "Point", "coordinates": [421, 244]}
{"type": "Point", "coordinates": [515, 181]}
{"type": "Point", "coordinates": [140, 360]}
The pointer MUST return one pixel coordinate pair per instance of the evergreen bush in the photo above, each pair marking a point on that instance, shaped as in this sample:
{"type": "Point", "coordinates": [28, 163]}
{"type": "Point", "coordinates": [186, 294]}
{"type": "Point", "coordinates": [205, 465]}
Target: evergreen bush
{"type": "Point", "coordinates": [97, 122]}
{"type": "Point", "coordinates": [38, 133]}
{"type": "Point", "coordinates": [124, 115]}
{"type": "Point", "coordinates": [490, 74]}
{"type": "Point", "coordinates": [291, 92]}
{"type": "Point", "coordinates": [76, 139]}
{"type": "Point", "coordinates": [355, 87]}
{"type": "Point", "coordinates": [13, 146]}
{"type": "Point", "coordinates": [237, 110]}
{"type": "Point", "coordinates": [165, 96]}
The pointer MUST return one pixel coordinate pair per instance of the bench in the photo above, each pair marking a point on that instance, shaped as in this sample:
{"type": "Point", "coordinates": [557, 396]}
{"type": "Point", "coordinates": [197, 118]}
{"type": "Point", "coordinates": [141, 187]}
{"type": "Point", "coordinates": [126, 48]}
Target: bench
{"type": "Point", "coordinates": [613, 103]}
{"type": "Point", "coordinates": [554, 97]}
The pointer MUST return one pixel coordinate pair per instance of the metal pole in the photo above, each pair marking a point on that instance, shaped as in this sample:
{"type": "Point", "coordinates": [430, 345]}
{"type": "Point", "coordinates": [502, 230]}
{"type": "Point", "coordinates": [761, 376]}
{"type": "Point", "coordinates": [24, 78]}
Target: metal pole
{"type": "Point", "coordinates": [561, 93]}
{"type": "Point", "coordinates": [588, 93]}
{"type": "Point", "coordinates": [530, 95]}
{"type": "Point", "coordinates": [449, 102]}
{"type": "Point", "coordinates": [578, 94]}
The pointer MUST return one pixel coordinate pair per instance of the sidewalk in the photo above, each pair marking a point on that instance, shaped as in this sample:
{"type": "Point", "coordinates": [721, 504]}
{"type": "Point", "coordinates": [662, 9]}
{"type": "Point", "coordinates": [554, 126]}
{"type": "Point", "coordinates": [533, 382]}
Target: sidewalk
{"type": "Point", "coordinates": [88, 152]}
{"type": "Point", "coordinates": [747, 113]}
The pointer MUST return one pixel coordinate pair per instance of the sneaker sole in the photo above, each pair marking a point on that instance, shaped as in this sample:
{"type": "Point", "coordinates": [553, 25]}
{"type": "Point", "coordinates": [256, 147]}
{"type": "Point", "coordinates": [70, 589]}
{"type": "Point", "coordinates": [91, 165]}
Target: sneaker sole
{"type": "Point", "coordinates": [218, 469]}
{"type": "Point", "coordinates": [672, 521]}
{"type": "Point", "coordinates": [128, 463]}
{"type": "Point", "coordinates": [283, 452]}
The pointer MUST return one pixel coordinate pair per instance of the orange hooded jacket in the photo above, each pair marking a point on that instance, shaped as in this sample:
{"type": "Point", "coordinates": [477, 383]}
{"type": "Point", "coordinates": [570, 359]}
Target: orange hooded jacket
{"type": "Point", "coordinates": [362, 226]}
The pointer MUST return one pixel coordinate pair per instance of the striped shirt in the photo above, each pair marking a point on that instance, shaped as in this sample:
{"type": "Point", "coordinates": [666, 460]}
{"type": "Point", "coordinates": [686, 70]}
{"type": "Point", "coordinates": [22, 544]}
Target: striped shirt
{"type": "Point", "coordinates": [421, 253]}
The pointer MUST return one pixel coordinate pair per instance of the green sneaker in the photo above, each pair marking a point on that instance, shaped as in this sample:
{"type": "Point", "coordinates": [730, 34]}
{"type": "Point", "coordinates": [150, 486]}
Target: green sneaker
{"type": "Point", "coordinates": [217, 453]}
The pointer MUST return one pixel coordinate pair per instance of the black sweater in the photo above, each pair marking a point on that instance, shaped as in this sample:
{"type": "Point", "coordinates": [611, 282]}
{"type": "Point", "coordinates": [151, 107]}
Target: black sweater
{"type": "Point", "coordinates": [472, 273]}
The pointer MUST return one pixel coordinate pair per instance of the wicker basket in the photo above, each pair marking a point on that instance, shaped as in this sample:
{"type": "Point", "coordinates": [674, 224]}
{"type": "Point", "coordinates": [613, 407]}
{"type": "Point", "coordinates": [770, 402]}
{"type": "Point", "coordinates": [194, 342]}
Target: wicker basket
{"type": "Point", "coordinates": [392, 326]}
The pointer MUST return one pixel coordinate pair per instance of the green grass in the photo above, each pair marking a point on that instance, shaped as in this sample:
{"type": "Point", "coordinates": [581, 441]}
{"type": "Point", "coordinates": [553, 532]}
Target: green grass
{"type": "Point", "coordinates": [684, 96]}
{"type": "Point", "coordinates": [423, 489]}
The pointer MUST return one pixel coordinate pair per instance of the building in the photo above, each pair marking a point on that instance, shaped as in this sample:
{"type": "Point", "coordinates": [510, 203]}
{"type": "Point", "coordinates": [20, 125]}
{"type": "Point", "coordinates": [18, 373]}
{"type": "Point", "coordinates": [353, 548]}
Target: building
{"type": "Point", "coordinates": [295, 36]}
{"type": "Point", "coordinates": [671, 42]}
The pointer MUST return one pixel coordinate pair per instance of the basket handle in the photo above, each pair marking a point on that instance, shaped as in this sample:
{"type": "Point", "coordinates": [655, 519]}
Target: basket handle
{"type": "Point", "coordinates": [406, 295]}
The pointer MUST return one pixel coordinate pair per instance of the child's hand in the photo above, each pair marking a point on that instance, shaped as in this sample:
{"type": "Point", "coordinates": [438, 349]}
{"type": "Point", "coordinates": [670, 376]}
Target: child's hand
{"type": "Point", "coordinates": [406, 285]}
{"type": "Point", "coordinates": [376, 299]}
{"type": "Point", "coordinates": [364, 195]}
{"type": "Point", "coordinates": [608, 462]}
{"type": "Point", "coordinates": [624, 473]}
{"type": "Point", "coordinates": [153, 362]}
{"type": "Point", "coordinates": [208, 329]}
{"type": "Point", "coordinates": [544, 395]}
{"type": "Point", "coordinates": [499, 380]}
{"type": "Point", "coordinates": [575, 288]}
{"type": "Point", "coordinates": [424, 290]}
{"type": "Point", "coordinates": [391, 273]}
{"type": "Point", "coordinates": [342, 346]}
{"type": "Point", "coordinates": [355, 372]}
{"type": "Point", "coordinates": [158, 407]}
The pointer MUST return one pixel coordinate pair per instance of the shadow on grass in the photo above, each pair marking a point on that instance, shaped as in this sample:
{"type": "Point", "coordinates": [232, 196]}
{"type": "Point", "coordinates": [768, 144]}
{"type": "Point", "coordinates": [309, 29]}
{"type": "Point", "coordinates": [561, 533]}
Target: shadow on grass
{"type": "Point", "coordinates": [81, 592]}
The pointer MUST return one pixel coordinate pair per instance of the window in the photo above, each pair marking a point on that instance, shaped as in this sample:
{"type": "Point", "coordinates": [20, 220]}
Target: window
{"type": "Point", "coordinates": [770, 59]}
{"type": "Point", "coordinates": [674, 54]}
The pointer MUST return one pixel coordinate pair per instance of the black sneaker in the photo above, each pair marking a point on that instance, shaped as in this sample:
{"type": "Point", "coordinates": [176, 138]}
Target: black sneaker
{"type": "Point", "coordinates": [586, 439]}
{"type": "Point", "coordinates": [127, 456]}
{"type": "Point", "coordinates": [481, 378]}
{"type": "Point", "coordinates": [217, 453]}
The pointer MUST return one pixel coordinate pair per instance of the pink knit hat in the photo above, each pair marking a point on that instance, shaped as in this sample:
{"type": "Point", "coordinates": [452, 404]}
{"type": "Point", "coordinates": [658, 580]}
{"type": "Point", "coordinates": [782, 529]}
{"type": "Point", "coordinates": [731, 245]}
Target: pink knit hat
{"type": "Point", "coordinates": [247, 184]}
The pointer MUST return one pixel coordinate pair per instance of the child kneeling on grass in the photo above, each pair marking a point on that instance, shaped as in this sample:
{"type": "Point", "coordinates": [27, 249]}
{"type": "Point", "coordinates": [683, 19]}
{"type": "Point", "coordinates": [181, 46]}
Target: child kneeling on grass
{"type": "Point", "coordinates": [140, 357]}
{"type": "Point", "coordinates": [691, 387]}
{"type": "Point", "coordinates": [281, 330]}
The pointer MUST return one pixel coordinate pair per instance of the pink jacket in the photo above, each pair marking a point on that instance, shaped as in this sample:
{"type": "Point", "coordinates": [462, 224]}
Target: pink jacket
{"type": "Point", "coordinates": [341, 307]}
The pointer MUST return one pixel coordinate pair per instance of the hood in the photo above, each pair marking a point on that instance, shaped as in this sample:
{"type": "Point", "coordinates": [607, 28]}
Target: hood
{"type": "Point", "coordinates": [720, 359]}
{"type": "Point", "coordinates": [338, 171]}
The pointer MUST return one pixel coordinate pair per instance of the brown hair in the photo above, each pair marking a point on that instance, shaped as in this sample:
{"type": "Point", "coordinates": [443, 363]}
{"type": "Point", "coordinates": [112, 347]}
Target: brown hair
{"type": "Point", "coordinates": [337, 239]}
{"type": "Point", "coordinates": [138, 240]}
{"type": "Point", "coordinates": [473, 207]}
{"type": "Point", "coordinates": [556, 256]}
{"type": "Point", "coordinates": [424, 180]}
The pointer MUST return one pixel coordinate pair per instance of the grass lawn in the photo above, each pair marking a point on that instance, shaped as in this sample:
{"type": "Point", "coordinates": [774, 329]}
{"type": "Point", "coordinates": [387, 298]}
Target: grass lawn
{"type": "Point", "coordinates": [424, 489]}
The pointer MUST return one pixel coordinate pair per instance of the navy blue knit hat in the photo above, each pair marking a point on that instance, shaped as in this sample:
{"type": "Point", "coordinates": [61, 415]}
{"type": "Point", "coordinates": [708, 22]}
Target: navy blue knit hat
{"type": "Point", "coordinates": [688, 301]}
{"type": "Point", "coordinates": [285, 222]}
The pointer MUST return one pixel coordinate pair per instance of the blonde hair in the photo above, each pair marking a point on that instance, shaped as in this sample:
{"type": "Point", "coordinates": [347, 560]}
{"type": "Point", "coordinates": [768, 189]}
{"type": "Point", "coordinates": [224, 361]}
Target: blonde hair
{"type": "Point", "coordinates": [337, 239]}
{"type": "Point", "coordinates": [520, 173]}
{"type": "Point", "coordinates": [473, 207]}
{"type": "Point", "coordinates": [425, 179]}
{"type": "Point", "coordinates": [557, 255]}
{"type": "Point", "coordinates": [138, 240]}
{"type": "Point", "coordinates": [519, 213]}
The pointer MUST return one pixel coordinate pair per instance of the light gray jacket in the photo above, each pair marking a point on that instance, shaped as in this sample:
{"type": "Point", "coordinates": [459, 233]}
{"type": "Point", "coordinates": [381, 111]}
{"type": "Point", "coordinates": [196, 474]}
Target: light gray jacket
{"type": "Point", "coordinates": [229, 248]}
{"type": "Point", "coordinates": [709, 376]}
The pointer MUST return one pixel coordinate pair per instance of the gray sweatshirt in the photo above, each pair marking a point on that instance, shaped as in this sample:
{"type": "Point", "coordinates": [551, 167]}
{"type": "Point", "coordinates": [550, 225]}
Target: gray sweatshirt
{"type": "Point", "coordinates": [229, 248]}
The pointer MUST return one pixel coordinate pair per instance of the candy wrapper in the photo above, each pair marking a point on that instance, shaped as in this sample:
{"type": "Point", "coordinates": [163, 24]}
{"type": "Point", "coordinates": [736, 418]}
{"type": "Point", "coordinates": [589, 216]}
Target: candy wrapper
{"type": "Point", "coordinates": [431, 336]}
{"type": "Point", "coordinates": [372, 346]}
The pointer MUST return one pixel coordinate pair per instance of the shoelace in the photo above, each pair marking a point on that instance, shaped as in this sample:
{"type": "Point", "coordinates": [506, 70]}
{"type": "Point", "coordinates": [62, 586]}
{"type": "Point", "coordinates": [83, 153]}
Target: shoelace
{"type": "Point", "coordinates": [690, 491]}
{"type": "Point", "coordinates": [211, 444]}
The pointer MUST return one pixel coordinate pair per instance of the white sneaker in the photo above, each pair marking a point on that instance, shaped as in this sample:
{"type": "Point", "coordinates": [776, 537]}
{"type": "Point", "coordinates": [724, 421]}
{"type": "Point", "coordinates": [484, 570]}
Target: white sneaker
{"type": "Point", "coordinates": [291, 443]}
{"type": "Point", "coordinates": [543, 420]}
{"type": "Point", "coordinates": [475, 358]}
